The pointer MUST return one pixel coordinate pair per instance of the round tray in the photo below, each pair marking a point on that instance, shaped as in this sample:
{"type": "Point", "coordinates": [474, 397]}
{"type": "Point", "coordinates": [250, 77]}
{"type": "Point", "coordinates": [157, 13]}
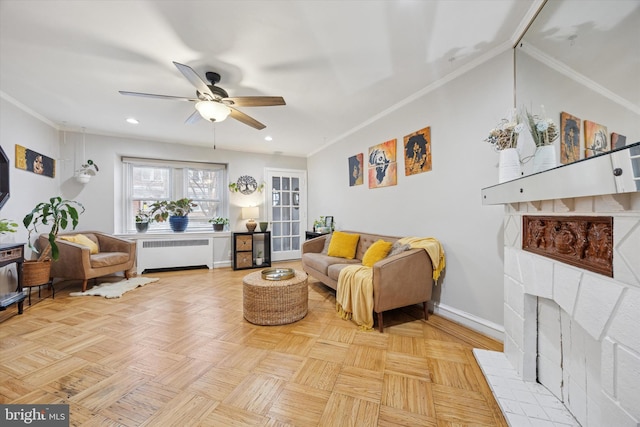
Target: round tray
{"type": "Point", "coordinates": [278, 273]}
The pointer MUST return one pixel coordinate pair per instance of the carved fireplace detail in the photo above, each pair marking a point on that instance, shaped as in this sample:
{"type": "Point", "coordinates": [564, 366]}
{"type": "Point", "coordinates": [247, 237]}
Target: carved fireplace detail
{"type": "Point", "coordinates": [582, 241]}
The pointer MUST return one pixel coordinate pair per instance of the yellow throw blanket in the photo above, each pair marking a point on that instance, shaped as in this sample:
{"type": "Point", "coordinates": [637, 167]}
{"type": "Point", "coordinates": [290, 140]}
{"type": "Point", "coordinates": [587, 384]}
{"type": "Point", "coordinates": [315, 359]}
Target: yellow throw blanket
{"type": "Point", "coordinates": [433, 248]}
{"type": "Point", "coordinates": [354, 296]}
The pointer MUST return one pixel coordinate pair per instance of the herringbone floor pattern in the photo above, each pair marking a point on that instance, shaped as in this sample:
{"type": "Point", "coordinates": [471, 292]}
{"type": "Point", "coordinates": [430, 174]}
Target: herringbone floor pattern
{"type": "Point", "coordinates": [178, 352]}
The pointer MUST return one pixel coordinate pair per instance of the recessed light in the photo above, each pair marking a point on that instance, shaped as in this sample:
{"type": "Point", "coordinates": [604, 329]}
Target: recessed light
{"type": "Point", "coordinates": [132, 121]}
{"type": "Point", "coordinates": [268, 138]}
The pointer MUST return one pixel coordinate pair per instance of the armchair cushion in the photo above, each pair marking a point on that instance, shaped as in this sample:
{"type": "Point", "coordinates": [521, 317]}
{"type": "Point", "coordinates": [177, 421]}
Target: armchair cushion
{"type": "Point", "coordinates": [83, 240]}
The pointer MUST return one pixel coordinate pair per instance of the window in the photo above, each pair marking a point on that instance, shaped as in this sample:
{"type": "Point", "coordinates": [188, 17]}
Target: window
{"type": "Point", "coordinates": [148, 181]}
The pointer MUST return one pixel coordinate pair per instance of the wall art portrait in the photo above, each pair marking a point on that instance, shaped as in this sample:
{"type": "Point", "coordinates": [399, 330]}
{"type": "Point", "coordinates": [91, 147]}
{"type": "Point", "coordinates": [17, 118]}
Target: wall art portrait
{"type": "Point", "coordinates": [355, 170]}
{"type": "Point", "coordinates": [383, 170]}
{"type": "Point", "coordinates": [417, 152]}
{"type": "Point", "coordinates": [569, 138]}
{"type": "Point", "coordinates": [596, 139]}
{"type": "Point", "coordinates": [617, 140]}
{"type": "Point", "coordinates": [37, 163]}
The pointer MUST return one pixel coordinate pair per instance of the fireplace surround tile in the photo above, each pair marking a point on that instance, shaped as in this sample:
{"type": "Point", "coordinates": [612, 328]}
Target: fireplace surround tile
{"type": "Point", "coordinates": [596, 301]}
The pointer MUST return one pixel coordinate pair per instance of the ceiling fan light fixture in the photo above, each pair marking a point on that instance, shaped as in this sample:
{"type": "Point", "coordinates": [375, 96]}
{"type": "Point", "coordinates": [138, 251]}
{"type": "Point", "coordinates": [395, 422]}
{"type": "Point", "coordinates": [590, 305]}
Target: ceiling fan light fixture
{"type": "Point", "coordinates": [213, 111]}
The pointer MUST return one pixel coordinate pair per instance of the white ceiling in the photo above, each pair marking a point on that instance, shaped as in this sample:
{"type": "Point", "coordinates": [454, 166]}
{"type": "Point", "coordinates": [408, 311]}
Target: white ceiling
{"type": "Point", "coordinates": [337, 64]}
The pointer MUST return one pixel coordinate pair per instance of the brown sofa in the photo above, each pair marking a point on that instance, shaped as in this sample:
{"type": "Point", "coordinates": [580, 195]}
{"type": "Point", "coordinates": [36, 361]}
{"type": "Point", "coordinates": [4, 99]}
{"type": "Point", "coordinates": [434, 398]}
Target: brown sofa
{"type": "Point", "coordinates": [398, 281]}
{"type": "Point", "coordinates": [75, 261]}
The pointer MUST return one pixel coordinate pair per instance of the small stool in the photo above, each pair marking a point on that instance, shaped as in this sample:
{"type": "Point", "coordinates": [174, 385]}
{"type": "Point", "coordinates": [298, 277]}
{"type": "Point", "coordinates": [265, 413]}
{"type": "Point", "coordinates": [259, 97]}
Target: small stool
{"type": "Point", "coordinates": [275, 302]}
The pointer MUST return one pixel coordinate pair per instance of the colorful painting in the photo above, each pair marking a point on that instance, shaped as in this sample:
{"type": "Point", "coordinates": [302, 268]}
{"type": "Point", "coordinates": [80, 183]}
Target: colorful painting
{"type": "Point", "coordinates": [417, 152]}
{"type": "Point", "coordinates": [617, 140]}
{"type": "Point", "coordinates": [383, 170]}
{"type": "Point", "coordinates": [596, 139]}
{"type": "Point", "coordinates": [569, 138]}
{"type": "Point", "coordinates": [35, 162]}
{"type": "Point", "coordinates": [355, 170]}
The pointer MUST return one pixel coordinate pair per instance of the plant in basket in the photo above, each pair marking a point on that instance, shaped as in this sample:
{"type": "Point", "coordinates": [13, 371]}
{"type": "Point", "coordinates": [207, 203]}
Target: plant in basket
{"type": "Point", "coordinates": [58, 214]}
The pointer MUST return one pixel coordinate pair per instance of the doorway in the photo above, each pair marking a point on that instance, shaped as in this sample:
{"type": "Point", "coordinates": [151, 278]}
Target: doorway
{"type": "Point", "coordinates": [287, 201]}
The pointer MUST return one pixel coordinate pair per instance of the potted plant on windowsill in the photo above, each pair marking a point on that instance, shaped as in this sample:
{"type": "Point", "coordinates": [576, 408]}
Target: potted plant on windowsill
{"type": "Point", "coordinates": [7, 226]}
{"type": "Point", "coordinates": [86, 171]}
{"type": "Point", "coordinates": [58, 214]}
{"type": "Point", "coordinates": [219, 223]}
{"type": "Point", "coordinates": [176, 211]}
{"type": "Point", "coordinates": [143, 219]}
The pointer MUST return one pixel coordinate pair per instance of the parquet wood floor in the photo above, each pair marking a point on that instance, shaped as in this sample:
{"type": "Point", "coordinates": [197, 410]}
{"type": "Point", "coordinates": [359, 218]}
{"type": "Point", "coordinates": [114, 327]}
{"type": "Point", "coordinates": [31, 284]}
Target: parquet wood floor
{"type": "Point", "coordinates": [178, 352]}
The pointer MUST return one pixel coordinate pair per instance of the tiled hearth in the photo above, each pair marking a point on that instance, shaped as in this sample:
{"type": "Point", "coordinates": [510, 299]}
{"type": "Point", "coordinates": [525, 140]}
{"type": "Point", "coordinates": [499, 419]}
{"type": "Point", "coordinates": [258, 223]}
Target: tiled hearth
{"type": "Point", "coordinates": [600, 373]}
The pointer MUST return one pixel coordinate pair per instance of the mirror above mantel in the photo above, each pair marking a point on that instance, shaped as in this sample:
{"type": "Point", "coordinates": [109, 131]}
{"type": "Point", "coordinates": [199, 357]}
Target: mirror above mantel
{"type": "Point", "coordinates": [581, 57]}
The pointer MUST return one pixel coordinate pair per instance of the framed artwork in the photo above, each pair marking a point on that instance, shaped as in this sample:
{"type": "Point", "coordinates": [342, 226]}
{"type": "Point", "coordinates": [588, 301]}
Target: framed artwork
{"type": "Point", "coordinates": [569, 138]}
{"type": "Point", "coordinates": [355, 170]}
{"type": "Point", "coordinates": [618, 140]}
{"type": "Point", "coordinates": [37, 163]}
{"type": "Point", "coordinates": [383, 170]}
{"type": "Point", "coordinates": [596, 139]}
{"type": "Point", "coordinates": [417, 152]}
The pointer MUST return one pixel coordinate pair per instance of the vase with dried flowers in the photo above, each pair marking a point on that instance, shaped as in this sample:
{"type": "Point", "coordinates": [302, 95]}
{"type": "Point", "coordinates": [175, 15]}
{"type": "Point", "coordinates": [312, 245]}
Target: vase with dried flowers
{"type": "Point", "coordinates": [544, 132]}
{"type": "Point", "coordinates": [504, 139]}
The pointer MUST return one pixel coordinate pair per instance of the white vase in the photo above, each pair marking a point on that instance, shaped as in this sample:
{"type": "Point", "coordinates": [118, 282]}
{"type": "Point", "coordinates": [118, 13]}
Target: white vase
{"type": "Point", "coordinates": [509, 165]}
{"type": "Point", "coordinates": [544, 158]}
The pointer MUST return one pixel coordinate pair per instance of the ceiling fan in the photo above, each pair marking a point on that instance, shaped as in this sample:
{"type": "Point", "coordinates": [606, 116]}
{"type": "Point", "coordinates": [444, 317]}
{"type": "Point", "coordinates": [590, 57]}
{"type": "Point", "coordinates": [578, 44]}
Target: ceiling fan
{"type": "Point", "coordinates": [214, 103]}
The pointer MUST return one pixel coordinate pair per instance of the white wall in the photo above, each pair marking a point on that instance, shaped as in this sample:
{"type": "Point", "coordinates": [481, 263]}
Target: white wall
{"type": "Point", "coordinates": [27, 188]}
{"type": "Point", "coordinates": [444, 203]}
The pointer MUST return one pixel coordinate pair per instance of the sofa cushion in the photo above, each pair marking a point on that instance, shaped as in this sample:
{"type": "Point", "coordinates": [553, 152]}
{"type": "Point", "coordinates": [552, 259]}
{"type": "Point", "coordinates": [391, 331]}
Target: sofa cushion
{"type": "Point", "coordinates": [83, 240]}
{"type": "Point", "coordinates": [343, 245]}
{"type": "Point", "coordinates": [398, 248]}
{"type": "Point", "coordinates": [327, 242]}
{"type": "Point", "coordinates": [334, 269]}
{"type": "Point", "coordinates": [321, 262]}
{"type": "Point", "coordinates": [376, 252]}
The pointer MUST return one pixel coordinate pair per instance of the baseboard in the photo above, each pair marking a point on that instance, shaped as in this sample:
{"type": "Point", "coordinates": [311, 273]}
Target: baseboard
{"type": "Point", "coordinates": [476, 323]}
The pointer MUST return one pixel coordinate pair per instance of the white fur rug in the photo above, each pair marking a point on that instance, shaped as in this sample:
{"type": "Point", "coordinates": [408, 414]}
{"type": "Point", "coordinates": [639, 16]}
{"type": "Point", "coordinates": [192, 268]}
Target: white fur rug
{"type": "Point", "coordinates": [115, 290]}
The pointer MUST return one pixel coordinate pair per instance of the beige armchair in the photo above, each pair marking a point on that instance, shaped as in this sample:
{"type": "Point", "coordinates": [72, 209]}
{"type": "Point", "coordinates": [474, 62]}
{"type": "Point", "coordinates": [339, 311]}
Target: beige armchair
{"type": "Point", "coordinates": [76, 261]}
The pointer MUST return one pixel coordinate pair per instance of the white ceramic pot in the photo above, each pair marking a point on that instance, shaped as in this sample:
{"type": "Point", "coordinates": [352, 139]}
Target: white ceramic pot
{"type": "Point", "coordinates": [509, 167]}
{"type": "Point", "coordinates": [544, 158]}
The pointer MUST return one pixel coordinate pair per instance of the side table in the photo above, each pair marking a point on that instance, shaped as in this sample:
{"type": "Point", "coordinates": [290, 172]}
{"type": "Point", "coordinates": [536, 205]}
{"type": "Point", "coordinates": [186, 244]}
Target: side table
{"type": "Point", "coordinates": [13, 253]}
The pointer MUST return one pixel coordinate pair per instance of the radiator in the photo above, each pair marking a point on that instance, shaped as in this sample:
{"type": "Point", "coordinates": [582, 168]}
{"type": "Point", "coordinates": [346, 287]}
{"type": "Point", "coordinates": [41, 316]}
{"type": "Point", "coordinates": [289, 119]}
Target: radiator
{"type": "Point", "coordinates": [171, 253]}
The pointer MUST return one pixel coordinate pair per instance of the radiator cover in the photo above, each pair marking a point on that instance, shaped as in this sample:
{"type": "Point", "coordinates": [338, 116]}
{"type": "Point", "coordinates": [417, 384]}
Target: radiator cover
{"type": "Point", "coordinates": [172, 253]}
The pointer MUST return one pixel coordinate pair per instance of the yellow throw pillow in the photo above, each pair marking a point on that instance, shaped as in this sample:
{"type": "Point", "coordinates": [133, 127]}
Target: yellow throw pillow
{"type": "Point", "coordinates": [376, 252]}
{"type": "Point", "coordinates": [343, 245]}
{"type": "Point", "coordinates": [83, 240]}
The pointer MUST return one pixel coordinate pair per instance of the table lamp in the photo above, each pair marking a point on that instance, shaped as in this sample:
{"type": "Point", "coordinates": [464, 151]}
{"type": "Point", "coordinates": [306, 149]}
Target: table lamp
{"type": "Point", "coordinates": [250, 213]}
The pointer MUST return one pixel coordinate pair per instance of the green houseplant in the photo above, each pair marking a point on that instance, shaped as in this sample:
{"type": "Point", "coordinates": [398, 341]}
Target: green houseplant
{"type": "Point", "coordinates": [219, 223]}
{"type": "Point", "coordinates": [143, 218]}
{"type": "Point", "coordinates": [58, 214]}
{"type": "Point", "coordinates": [7, 226]}
{"type": "Point", "coordinates": [176, 211]}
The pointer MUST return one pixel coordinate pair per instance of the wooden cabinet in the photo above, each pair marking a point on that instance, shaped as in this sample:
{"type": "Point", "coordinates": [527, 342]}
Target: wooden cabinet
{"type": "Point", "coordinates": [249, 247]}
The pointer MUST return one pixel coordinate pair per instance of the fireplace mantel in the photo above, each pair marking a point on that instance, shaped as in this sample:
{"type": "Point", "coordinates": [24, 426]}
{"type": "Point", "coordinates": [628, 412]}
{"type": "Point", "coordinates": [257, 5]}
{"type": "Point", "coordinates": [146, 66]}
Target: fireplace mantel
{"type": "Point", "coordinates": [615, 172]}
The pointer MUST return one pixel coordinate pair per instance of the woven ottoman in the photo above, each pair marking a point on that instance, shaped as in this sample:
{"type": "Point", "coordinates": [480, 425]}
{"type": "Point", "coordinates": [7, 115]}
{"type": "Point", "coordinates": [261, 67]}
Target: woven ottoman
{"type": "Point", "coordinates": [275, 302]}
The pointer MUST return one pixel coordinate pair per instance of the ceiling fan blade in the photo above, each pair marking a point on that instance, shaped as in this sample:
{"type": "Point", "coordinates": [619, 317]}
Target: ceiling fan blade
{"type": "Point", "coordinates": [151, 95]}
{"type": "Point", "coordinates": [193, 118]}
{"type": "Point", "coordinates": [242, 117]}
{"type": "Point", "coordinates": [194, 78]}
{"type": "Point", "coordinates": [255, 101]}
